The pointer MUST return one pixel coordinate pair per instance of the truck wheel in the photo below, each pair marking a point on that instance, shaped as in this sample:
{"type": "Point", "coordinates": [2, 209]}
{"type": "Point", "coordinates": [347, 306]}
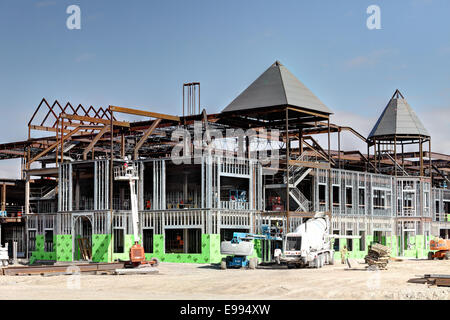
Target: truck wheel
{"type": "Point", "coordinates": [316, 262]}
{"type": "Point", "coordinates": [290, 266]}
{"type": "Point", "coordinates": [331, 258]}
{"type": "Point", "coordinates": [223, 264]}
{"type": "Point", "coordinates": [447, 255]}
{"type": "Point", "coordinates": [277, 260]}
{"type": "Point", "coordinates": [430, 255]}
{"type": "Point", "coordinates": [252, 263]}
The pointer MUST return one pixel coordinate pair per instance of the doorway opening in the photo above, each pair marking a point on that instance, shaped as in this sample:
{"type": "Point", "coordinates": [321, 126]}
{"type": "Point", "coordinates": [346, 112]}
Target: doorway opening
{"type": "Point", "coordinates": [82, 239]}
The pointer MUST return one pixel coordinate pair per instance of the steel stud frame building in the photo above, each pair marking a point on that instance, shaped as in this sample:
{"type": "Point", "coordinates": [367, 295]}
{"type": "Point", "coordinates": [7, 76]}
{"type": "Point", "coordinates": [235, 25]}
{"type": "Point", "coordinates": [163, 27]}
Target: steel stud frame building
{"type": "Point", "coordinates": [391, 196]}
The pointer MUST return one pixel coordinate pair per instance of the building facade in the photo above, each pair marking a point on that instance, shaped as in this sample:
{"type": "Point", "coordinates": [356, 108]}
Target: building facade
{"type": "Point", "coordinates": [186, 208]}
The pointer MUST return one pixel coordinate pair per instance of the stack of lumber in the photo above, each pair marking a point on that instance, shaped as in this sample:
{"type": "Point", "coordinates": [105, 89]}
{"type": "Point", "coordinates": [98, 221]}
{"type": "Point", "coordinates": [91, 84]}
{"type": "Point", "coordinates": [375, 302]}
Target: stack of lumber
{"type": "Point", "coordinates": [378, 256]}
{"type": "Point", "coordinates": [440, 280]}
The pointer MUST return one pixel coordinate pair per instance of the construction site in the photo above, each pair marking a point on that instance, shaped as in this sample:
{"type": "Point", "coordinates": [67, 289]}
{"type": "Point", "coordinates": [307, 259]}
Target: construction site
{"type": "Point", "coordinates": [264, 165]}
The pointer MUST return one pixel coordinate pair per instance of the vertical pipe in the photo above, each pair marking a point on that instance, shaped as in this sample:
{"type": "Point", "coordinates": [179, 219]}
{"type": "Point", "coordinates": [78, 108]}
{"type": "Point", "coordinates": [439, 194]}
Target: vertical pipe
{"type": "Point", "coordinates": [395, 154]}
{"type": "Point", "coordinates": [330, 204]}
{"type": "Point", "coordinates": [111, 178]}
{"type": "Point", "coordinates": [368, 157]}
{"type": "Point", "coordinates": [203, 183]}
{"type": "Point", "coordinates": [27, 192]}
{"type": "Point", "coordinates": [339, 147]}
{"type": "Point", "coordinates": [96, 185]}
{"type": "Point", "coordinates": [403, 157]}
{"type": "Point", "coordinates": [122, 144]}
{"type": "Point", "coordinates": [62, 141]}
{"type": "Point", "coordinates": [430, 164]}
{"type": "Point", "coordinates": [163, 181]}
{"type": "Point", "coordinates": [379, 156]}
{"type": "Point", "coordinates": [3, 197]}
{"type": "Point", "coordinates": [421, 156]}
{"type": "Point", "coordinates": [57, 139]}
{"type": "Point", "coordinates": [70, 187]}
{"type": "Point", "coordinates": [141, 186]}
{"type": "Point", "coordinates": [287, 167]}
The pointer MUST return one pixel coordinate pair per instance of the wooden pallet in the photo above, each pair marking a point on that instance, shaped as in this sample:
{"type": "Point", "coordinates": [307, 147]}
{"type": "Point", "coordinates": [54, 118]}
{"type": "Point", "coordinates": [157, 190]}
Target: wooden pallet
{"type": "Point", "coordinates": [85, 250]}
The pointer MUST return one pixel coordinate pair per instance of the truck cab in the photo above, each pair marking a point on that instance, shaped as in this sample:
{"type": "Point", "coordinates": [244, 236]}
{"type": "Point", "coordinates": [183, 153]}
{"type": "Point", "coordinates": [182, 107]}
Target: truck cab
{"type": "Point", "coordinates": [293, 248]}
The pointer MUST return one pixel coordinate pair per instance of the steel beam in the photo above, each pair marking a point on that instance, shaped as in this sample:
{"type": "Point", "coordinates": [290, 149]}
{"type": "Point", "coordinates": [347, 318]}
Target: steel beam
{"type": "Point", "coordinates": [147, 133]}
{"type": "Point", "coordinates": [95, 120]}
{"type": "Point", "coordinates": [93, 142]}
{"type": "Point", "coordinates": [144, 113]}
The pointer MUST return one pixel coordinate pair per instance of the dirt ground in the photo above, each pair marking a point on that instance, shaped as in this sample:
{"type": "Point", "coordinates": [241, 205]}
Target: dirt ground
{"type": "Point", "coordinates": [195, 281]}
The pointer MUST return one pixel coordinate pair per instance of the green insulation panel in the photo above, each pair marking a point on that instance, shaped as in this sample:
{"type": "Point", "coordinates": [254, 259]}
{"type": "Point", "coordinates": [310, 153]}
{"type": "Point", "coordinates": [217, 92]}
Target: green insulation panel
{"type": "Point", "coordinates": [40, 253]}
{"type": "Point", "coordinates": [64, 247]}
{"type": "Point", "coordinates": [210, 252]}
{"type": "Point", "coordinates": [101, 247]}
{"type": "Point", "coordinates": [128, 243]}
{"type": "Point", "coordinates": [210, 249]}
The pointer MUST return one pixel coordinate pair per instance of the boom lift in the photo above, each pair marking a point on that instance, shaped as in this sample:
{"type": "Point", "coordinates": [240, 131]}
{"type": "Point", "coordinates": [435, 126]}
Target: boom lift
{"type": "Point", "coordinates": [241, 247]}
{"type": "Point", "coordinates": [441, 248]}
{"type": "Point", "coordinates": [128, 172]}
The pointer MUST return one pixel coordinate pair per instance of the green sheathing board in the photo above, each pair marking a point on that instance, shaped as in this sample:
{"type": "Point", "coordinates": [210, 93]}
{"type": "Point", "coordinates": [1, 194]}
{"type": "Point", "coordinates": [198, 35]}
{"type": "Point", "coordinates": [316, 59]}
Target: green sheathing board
{"type": "Point", "coordinates": [64, 247]}
{"type": "Point", "coordinates": [210, 251]}
{"type": "Point", "coordinates": [392, 242]}
{"type": "Point", "coordinates": [417, 247]}
{"type": "Point", "coordinates": [40, 254]}
{"type": "Point", "coordinates": [356, 253]}
{"type": "Point", "coordinates": [101, 247]}
{"type": "Point", "coordinates": [128, 243]}
{"type": "Point", "coordinates": [214, 248]}
{"type": "Point", "coordinates": [257, 250]}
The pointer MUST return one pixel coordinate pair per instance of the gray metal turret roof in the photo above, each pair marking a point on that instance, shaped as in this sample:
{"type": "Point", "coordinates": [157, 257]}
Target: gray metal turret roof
{"type": "Point", "coordinates": [277, 86]}
{"type": "Point", "coordinates": [398, 118]}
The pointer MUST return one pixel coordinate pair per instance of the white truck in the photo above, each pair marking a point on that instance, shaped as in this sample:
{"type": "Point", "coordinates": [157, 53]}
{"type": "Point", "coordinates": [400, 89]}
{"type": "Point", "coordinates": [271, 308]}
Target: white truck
{"type": "Point", "coordinates": [309, 245]}
{"type": "Point", "coordinates": [4, 258]}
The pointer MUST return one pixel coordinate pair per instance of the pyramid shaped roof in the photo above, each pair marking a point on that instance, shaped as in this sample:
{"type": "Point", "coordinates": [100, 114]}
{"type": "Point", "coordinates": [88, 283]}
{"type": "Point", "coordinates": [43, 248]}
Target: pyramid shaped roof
{"type": "Point", "coordinates": [277, 86]}
{"type": "Point", "coordinates": [398, 118]}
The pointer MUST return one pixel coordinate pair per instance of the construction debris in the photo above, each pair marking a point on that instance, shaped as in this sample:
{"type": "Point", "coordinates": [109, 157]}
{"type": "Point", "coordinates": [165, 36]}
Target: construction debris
{"type": "Point", "coordinates": [142, 270]}
{"type": "Point", "coordinates": [60, 269]}
{"type": "Point", "coordinates": [378, 256]}
{"type": "Point", "coordinates": [440, 280]}
{"type": "Point", "coordinates": [395, 259]}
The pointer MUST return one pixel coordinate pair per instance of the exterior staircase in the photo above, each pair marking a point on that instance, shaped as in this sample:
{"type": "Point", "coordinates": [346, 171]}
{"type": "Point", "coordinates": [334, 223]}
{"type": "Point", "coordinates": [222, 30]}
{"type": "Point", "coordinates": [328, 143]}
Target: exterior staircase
{"type": "Point", "coordinates": [296, 175]}
{"type": "Point", "coordinates": [387, 154]}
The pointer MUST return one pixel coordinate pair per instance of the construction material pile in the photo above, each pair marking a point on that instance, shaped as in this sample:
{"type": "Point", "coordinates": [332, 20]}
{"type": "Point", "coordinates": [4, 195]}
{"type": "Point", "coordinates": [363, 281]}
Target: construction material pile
{"type": "Point", "coordinates": [378, 256]}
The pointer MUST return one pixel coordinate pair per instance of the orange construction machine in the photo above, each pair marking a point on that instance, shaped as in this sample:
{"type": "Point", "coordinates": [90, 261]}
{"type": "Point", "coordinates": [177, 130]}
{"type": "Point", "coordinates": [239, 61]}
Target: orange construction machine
{"type": "Point", "coordinates": [128, 172]}
{"type": "Point", "coordinates": [440, 249]}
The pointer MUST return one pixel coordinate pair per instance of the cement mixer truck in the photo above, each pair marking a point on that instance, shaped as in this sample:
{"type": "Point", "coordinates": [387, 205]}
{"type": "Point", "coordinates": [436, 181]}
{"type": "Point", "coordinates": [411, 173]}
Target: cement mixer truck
{"type": "Point", "coordinates": [309, 245]}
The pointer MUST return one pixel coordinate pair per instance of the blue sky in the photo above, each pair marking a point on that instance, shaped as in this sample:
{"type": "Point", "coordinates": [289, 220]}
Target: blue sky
{"type": "Point", "coordinates": [138, 54]}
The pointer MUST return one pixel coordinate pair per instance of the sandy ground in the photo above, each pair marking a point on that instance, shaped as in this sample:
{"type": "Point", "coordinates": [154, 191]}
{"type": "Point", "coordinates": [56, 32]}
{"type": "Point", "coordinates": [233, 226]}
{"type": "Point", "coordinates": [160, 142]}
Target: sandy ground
{"type": "Point", "coordinates": [195, 281]}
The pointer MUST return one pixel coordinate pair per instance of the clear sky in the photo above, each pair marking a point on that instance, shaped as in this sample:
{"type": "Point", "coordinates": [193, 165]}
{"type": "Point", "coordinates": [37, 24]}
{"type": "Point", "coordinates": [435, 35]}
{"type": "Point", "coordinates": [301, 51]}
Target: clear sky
{"type": "Point", "coordinates": [138, 54]}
